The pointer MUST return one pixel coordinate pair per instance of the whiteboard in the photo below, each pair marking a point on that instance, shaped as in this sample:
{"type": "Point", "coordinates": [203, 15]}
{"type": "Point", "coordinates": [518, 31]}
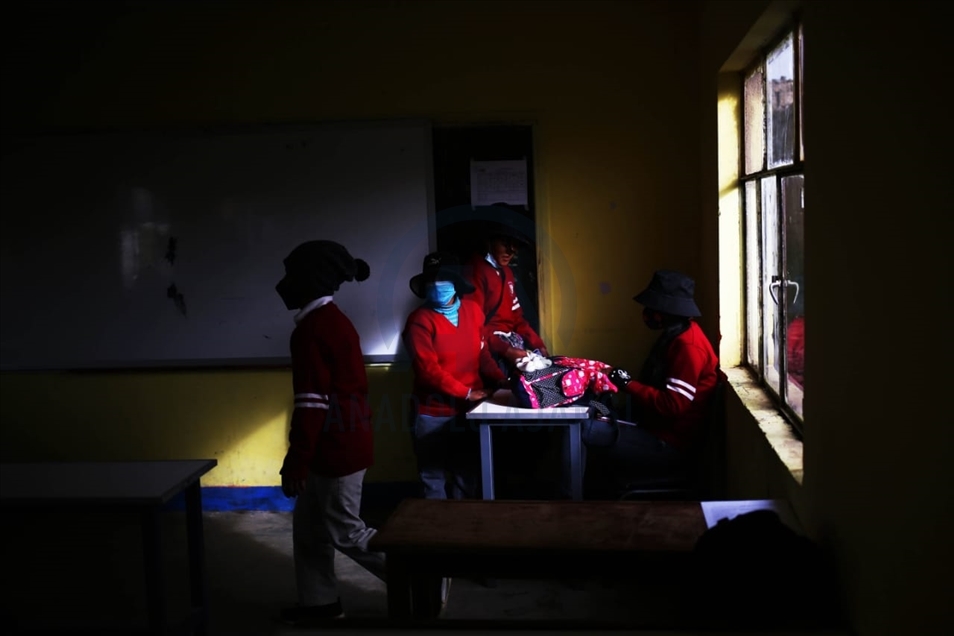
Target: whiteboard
{"type": "Point", "coordinates": [163, 249]}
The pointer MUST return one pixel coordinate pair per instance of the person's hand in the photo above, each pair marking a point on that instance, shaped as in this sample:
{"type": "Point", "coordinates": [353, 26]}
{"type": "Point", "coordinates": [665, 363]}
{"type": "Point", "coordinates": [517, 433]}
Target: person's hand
{"type": "Point", "coordinates": [292, 487]}
{"type": "Point", "coordinates": [477, 396]}
{"type": "Point", "coordinates": [620, 377]}
{"type": "Point", "coordinates": [514, 355]}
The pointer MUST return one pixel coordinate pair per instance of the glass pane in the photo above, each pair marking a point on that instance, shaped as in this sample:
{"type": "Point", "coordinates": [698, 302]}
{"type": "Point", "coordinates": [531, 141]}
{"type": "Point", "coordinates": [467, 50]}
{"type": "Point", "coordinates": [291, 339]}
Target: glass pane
{"type": "Point", "coordinates": [770, 283]}
{"type": "Point", "coordinates": [801, 90]}
{"type": "Point", "coordinates": [754, 121]}
{"type": "Point", "coordinates": [793, 207]}
{"type": "Point", "coordinates": [780, 123]}
{"type": "Point", "coordinates": [753, 313]}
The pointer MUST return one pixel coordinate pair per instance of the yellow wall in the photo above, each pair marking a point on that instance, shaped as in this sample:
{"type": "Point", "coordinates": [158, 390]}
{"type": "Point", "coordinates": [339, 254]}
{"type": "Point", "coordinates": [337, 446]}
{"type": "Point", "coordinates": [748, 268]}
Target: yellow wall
{"type": "Point", "coordinates": [877, 486]}
{"type": "Point", "coordinates": [239, 418]}
{"type": "Point", "coordinates": [877, 454]}
{"type": "Point", "coordinates": [610, 88]}
{"type": "Point", "coordinates": [623, 98]}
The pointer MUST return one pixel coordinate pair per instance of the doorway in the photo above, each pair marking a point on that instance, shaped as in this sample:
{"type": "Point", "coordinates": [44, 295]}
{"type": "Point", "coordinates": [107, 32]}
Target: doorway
{"type": "Point", "coordinates": [457, 221]}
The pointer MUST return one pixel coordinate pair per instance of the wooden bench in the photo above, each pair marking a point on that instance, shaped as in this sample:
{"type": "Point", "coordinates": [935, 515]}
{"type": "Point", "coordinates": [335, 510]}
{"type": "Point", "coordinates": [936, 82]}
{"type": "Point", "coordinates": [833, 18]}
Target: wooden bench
{"type": "Point", "coordinates": [426, 539]}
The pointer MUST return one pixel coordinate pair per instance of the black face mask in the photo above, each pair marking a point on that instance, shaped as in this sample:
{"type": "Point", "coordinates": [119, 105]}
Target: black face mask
{"type": "Point", "coordinates": [653, 319]}
{"type": "Point", "coordinates": [297, 292]}
{"type": "Point", "coordinates": [290, 293]}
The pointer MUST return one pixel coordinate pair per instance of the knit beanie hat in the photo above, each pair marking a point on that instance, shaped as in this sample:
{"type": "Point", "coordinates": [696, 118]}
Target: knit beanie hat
{"type": "Point", "coordinates": [317, 268]}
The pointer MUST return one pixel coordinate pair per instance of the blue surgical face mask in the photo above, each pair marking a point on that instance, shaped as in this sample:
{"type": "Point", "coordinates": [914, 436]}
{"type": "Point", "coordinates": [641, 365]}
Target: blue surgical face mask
{"type": "Point", "coordinates": [439, 293]}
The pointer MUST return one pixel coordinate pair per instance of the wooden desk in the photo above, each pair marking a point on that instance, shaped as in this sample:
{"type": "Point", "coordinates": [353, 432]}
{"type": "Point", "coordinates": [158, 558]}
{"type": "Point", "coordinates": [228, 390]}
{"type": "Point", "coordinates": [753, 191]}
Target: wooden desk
{"type": "Point", "coordinates": [141, 487]}
{"type": "Point", "coordinates": [500, 412]}
{"type": "Point", "coordinates": [425, 538]}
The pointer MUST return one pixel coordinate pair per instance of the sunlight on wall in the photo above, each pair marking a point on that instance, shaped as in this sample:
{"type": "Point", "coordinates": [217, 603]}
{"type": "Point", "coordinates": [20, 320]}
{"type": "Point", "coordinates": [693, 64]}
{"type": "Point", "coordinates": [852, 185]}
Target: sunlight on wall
{"type": "Point", "coordinates": [730, 216]}
{"type": "Point", "coordinates": [239, 418]}
{"type": "Point", "coordinates": [254, 459]}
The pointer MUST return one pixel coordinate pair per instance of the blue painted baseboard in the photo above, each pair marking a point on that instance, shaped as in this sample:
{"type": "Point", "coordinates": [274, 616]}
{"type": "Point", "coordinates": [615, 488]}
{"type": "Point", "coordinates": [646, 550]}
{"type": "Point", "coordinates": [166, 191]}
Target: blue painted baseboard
{"type": "Point", "coordinates": [375, 496]}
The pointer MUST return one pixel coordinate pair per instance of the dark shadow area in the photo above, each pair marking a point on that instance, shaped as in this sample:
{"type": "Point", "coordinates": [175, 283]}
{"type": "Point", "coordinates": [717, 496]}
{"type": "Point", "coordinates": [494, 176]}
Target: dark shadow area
{"type": "Point", "coordinates": [80, 573]}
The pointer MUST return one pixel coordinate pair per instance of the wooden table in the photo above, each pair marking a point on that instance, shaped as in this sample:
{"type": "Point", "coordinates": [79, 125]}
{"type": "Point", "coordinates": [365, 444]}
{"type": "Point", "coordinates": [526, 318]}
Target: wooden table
{"type": "Point", "coordinates": [140, 487]}
{"type": "Point", "coordinates": [501, 412]}
{"type": "Point", "coordinates": [425, 539]}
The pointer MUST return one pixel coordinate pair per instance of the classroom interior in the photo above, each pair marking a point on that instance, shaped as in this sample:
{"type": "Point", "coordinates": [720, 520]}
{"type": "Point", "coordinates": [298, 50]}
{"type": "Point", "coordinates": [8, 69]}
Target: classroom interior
{"type": "Point", "coordinates": [632, 108]}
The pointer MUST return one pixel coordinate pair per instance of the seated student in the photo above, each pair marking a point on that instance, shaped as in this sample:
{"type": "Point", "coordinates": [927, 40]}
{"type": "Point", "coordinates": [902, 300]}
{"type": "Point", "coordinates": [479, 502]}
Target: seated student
{"type": "Point", "coordinates": [489, 272]}
{"type": "Point", "coordinates": [453, 371]}
{"type": "Point", "coordinates": [670, 397]}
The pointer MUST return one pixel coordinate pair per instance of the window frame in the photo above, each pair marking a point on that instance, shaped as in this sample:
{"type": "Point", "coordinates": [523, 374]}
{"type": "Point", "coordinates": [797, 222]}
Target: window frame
{"type": "Point", "coordinates": [793, 28]}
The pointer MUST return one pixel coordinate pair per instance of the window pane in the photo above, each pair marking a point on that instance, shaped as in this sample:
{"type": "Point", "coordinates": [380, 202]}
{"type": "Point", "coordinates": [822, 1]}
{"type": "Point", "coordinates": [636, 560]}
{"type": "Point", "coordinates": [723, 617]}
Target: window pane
{"type": "Point", "coordinates": [793, 207]}
{"type": "Point", "coordinates": [753, 316]}
{"type": "Point", "coordinates": [801, 90]}
{"type": "Point", "coordinates": [754, 121]}
{"type": "Point", "coordinates": [770, 283]}
{"type": "Point", "coordinates": [780, 97]}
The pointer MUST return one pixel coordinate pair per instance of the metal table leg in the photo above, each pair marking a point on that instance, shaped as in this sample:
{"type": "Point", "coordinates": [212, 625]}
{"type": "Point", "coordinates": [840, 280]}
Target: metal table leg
{"type": "Point", "coordinates": [486, 460]}
{"type": "Point", "coordinates": [576, 462]}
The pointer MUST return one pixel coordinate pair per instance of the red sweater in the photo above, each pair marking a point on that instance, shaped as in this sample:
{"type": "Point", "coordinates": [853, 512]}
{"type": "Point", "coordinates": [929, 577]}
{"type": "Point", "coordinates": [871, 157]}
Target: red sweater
{"type": "Point", "coordinates": [447, 360]}
{"type": "Point", "coordinates": [677, 412]}
{"type": "Point", "coordinates": [331, 423]}
{"type": "Point", "coordinates": [796, 351]}
{"type": "Point", "coordinates": [495, 285]}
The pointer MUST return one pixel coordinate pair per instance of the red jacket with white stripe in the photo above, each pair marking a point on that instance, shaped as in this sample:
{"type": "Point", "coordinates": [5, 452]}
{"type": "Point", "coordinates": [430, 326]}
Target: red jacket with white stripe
{"type": "Point", "coordinates": [447, 360]}
{"type": "Point", "coordinates": [331, 424]}
{"type": "Point", "coordinates": [677, 412]}
{"type": "Point", "coordinates": [495, 286]}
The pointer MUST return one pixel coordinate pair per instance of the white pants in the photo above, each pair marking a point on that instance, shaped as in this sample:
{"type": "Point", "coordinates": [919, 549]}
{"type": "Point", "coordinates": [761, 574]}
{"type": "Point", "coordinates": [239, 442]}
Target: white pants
{"type": "Point", "coordinates": [325, 519]}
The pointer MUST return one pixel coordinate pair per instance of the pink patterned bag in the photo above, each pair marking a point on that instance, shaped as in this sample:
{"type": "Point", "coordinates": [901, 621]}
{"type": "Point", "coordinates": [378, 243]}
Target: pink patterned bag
{"type": "Point", "coordinates": [565, 382]}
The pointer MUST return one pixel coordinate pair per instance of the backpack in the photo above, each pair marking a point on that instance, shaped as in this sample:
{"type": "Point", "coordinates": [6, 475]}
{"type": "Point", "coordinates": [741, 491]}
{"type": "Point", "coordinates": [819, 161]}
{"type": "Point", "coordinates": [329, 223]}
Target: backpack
{"type": "Point", "coordinates": [753, 571]}
{"type": "Point", "coordinates": [566, 382]}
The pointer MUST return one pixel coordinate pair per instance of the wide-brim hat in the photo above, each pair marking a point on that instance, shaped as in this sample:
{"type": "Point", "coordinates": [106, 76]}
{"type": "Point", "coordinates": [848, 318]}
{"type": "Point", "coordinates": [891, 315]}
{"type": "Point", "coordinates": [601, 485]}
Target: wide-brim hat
{"type": "Point", "coordinates": [507, 229]}
{"type": "Point", "coordinates": [671, 293]}
{"type": "Point", "coordinates": [440, 266]}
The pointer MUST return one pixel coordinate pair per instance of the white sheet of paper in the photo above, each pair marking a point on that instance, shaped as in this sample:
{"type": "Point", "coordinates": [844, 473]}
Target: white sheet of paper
{"type": "Point", "coordinates": [716, 510]}
{"type": "Point", "coordinates": [498, 182]}
{"type": "Point", "coordinates": [491, 411]}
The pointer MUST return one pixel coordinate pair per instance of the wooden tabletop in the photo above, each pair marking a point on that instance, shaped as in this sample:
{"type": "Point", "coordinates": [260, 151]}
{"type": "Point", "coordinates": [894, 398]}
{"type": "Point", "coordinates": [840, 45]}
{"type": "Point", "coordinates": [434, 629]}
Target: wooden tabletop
{"type": "Point", "coordinates": [113, 483]}
{"type": "Point", "coordinates": [564, 526]}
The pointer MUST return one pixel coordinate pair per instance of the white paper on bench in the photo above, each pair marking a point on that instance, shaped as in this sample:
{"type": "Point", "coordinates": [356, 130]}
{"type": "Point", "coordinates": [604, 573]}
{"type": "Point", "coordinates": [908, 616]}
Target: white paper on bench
{"type": "Point", "coordinates": [716, 510]}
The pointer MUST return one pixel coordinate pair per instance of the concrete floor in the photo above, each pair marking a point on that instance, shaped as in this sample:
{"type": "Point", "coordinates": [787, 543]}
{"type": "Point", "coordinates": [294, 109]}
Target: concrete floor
{"type": "Point", "coordinates": [79, 571]}
{"type": "Point", "coordinates": [71, 572]}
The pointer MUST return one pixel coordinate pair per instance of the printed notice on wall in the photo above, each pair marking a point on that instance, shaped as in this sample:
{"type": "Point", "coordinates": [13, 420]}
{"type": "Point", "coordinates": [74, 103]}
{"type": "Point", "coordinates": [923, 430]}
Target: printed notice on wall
{"type": "Point", "coordinates": [498, 182]}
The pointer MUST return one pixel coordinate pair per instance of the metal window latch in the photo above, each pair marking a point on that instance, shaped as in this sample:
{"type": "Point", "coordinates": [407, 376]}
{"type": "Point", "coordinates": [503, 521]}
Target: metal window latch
{"type": "Point", "coordinates": [778, 281]}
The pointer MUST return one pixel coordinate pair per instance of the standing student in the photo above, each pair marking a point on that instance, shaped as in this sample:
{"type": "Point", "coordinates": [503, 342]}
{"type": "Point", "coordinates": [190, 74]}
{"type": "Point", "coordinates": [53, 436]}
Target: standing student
{"type": "Point", "coordinates": [453, 371]}
{"type": "Point", "coordinates": [489, 272]}
{"type": "Point", "coordinates": [330, 443]}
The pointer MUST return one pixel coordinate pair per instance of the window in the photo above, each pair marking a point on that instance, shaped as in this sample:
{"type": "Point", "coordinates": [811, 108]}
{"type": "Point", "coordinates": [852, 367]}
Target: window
{"type": "Point", "coordinates": [773, 199]}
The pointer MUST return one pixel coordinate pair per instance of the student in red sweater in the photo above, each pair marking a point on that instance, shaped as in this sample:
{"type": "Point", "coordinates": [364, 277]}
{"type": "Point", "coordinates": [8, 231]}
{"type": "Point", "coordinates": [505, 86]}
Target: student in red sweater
{"type": "Point", "coordinates": [489, 272]}
{"type": "Point", "coordinates": [796, 351]}
{"type": "Point", "coordinates": [670, 398]}
{"type": "Point", "coordinates": [453, 371]}
{"type": "Point", "coordinates": [330, 443]}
